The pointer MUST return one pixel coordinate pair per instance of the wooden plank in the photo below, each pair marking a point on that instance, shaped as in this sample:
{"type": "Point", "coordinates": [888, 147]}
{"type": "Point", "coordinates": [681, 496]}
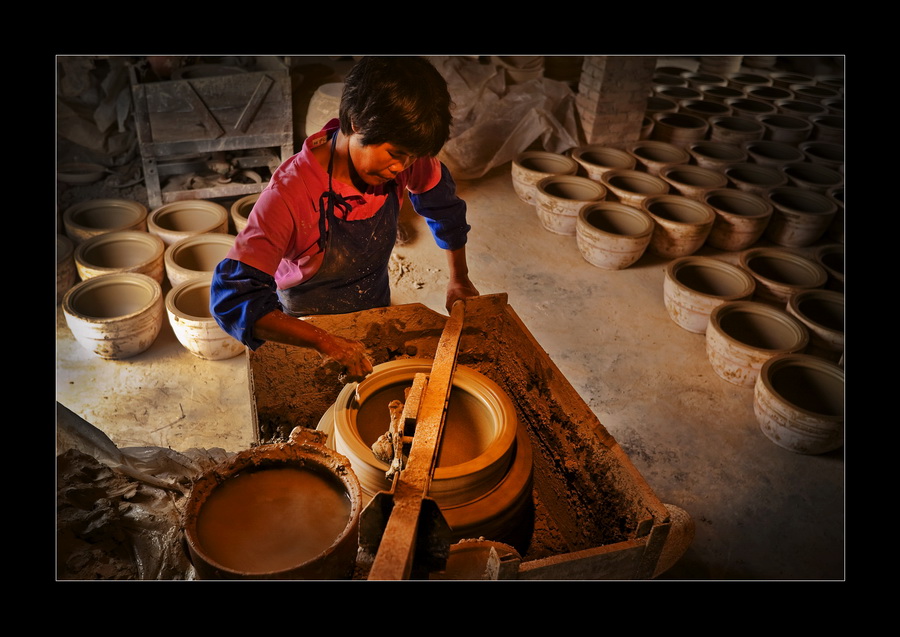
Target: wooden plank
{"type": "Point", "coordinates": [253, 105]}
{"type": "Point", "coordinates": [394, 559]}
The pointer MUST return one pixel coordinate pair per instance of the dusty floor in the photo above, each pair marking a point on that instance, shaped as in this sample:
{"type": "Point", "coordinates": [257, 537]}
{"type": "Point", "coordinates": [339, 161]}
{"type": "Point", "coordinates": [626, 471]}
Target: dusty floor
{"type": "Point", "coordinates": [761, 513]}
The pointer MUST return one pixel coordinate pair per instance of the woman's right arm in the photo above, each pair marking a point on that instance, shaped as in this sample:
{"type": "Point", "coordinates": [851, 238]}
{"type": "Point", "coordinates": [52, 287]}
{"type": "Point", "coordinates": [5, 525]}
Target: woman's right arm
{"type": "Point", "coordinates": [244, 303]}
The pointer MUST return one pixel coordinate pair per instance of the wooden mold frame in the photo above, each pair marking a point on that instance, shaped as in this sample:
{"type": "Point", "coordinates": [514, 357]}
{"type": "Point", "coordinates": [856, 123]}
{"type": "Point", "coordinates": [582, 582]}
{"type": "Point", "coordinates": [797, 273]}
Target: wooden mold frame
{"type": "Point", "coordinates": [595, 515]}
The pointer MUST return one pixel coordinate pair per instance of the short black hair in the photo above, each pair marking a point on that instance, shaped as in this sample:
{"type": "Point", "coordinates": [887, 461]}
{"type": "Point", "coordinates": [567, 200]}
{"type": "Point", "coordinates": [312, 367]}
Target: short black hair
{"type": "Point", "coordinates": [401, 100]}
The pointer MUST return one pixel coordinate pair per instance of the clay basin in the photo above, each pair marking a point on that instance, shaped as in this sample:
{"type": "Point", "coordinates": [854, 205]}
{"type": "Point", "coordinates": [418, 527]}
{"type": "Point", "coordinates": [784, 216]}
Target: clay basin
{"type": "Point", "coordinates": [235, 524]}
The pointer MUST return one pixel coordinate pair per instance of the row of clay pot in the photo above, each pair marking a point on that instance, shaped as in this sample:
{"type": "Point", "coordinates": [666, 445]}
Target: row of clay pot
{"type": "Point", "coordinates": [122, 257]}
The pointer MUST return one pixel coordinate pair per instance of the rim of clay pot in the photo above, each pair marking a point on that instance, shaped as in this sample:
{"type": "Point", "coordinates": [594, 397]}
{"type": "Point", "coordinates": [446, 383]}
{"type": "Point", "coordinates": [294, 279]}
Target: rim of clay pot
{"type": "Point", "coordinates": [695, 177]}
{"type": "Point", "coordinates": [650, 151]}
{"type": "Point", "coordinates": [736, 124]}
{"type": "Point", "coordinates": [616, 219]}
{"type": "Point", "coordinates": [705, 78]}
{"type": "Point", "coordinates": [132, 251]}
{"type": "Point", "coordinates": [711, 278]}
{"type": "Point", "coordinates": [717, 93]}
{"type": "Point", "coordinates": [808, 174]}
{"type": "Point", "coordinates": [678, 210]}
{"type": "Point", "coordinates": [801, 108]}
{"type": "Point", "coordinates": [96, 216]}
{"type": "Point", "coordinates": [786, 78]}
{"type": "Point", "coordinates": [801, 200]}
{"type": "Point", "coordinates": [193, 253]}
{"type": "Point", "coordinates": [182, 302]}
{"type": "Point", "coordinates": [779, 375]}
{"type": "Point", "coordinates": [184, 218]}
{"type": "Point", "coordinates": [829, 153]}
{"type": "Point", "coordinates": [820, 308]}
{"type": "Point", "coordinates": [777, 121]}
{"type": "Point", "coordinates": [831, 257]}
{"type": "Point", "coordinates": [814, 92]}
{"type": "Point", "coordinates": [730, 321]}
{"type": "Point", "coordinates": [300, 453]}
{"type": "Point", "coordinates": [681, 121]}
{"type": "Point", "coordinates": [750, 107]}
{"type": "Point", "coordinates": [634, 182]}
{"type": "Point", "coordinates": [744, 79]}
{"type": "Point", "coordinates": [730, 201]}
{"type": "Point", "coordinates": [756, 175]}
{"type": "Point", "coordinates": [570, 188]}
{"type": "Point", "coordinates": [150, 290]}
{"type": "Point", "coordinates": [775, 267]}
{"type": "Point", "coordinates": [676, 93]}
{"type": "Point", "coordinates": [540, 162]}
{"type": "Point", "coordinates": [769, 93]}
{"type": "Point", "coordinates": [723, 152]}
{"type": "Point", "coordinates": [660, 104]}
{"type": "Point", "coordinates": [602, 156]}
{"type": "Point", "coordinates": [769, 152]}
{"type": "Point", "coordinates": [704, 108]}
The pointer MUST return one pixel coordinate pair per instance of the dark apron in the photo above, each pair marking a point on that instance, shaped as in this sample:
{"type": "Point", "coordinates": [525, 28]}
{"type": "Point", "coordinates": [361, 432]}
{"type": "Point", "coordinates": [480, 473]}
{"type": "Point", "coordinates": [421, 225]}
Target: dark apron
{"type": "Point", "coordinates": [354, 271]}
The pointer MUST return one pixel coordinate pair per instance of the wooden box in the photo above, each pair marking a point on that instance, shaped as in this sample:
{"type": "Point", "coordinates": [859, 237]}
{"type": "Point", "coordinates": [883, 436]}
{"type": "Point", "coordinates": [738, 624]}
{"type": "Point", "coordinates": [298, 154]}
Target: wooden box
{"type": "Point", "coordinates": [596, 517]}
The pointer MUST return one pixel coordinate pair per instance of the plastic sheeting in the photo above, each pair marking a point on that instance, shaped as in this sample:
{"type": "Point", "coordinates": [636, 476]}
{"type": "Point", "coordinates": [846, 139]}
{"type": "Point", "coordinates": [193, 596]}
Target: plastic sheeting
{"type": "Point", "coordinates": [495, 120]}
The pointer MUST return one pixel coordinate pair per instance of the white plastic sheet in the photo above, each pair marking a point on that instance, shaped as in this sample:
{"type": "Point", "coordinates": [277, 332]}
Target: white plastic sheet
{"type": "Point", "coordinates": [495, 121]}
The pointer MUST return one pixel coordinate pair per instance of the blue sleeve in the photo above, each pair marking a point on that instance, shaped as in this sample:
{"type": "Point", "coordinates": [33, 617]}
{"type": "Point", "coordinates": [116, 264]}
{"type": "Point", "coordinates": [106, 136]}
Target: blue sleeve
{"type": "Point", "coordinates": [444, 211]}
{"type": "Point", "coordinates": [239, 296]}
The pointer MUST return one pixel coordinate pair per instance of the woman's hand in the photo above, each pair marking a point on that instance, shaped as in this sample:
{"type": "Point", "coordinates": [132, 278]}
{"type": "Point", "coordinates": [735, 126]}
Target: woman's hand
{"type": "Point", "coordinates": [459, 287]}
{"type": "Point", "coordinates": [458, 290]}
{"type": "Point", "coordinates": [350, 355]}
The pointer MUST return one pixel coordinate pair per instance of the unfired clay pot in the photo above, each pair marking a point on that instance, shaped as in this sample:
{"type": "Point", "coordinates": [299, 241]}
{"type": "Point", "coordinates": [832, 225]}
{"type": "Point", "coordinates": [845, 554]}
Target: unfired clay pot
{"type": "Point", "coordinates": [115, 316]}
{"type": "Point", "coordinates": [717, 155]}
{"type": "Point", "coordinates": [734, 129]}
{"type": "Point", "coordinates": [113, 252]}
{"type": "Point", "coordinates": [612, 235]}
{"type": "Point", "coordinates": [693, 286]}
{"type": "Point", "coordinates": [693, 181]}
{"type": "Point", "coordinates": [532, 166]}
{"type": "Point", "coordinates": [197, 256]}
{"type": "Point", "coordinates": [187, 306]}
{"type": "Point", "coordinates": [561, 197]}
{"type": "Point", "coordinates": [799, 403]}
{"type": "Point", "coordinates": [780, 274]}
{"type": "Point", "coordinates": [98, 216]}
{"type": "Point", "coordinates": [596, 159]}
{"type": "Point", "coordinates": [741, 218]}
{"type": "Point", "coordinates": [174, 221]}
{"type": "Point", "coordinates": [632, 187]}
{"type": "Point", "coordinates": [681, 225]}
{"type": "Point", "coordinates": [742, 335]}
{"type": "Point", "coordinates": [652, 156]}
{"type": "Point", "coordinates": [800, 216]}
{"type": "Point", "coordinates": [822, 312]}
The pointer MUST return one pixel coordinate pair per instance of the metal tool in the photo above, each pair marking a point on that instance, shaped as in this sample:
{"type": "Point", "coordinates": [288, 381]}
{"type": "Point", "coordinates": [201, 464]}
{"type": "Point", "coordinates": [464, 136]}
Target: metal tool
{"type": "Point", "coordinates": [404, 527]}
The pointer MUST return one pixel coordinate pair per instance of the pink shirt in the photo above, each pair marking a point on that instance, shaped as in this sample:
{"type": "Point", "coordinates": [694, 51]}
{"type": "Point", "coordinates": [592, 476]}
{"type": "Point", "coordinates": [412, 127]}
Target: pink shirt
{"type": "Point", "coordinates": [282, 233]}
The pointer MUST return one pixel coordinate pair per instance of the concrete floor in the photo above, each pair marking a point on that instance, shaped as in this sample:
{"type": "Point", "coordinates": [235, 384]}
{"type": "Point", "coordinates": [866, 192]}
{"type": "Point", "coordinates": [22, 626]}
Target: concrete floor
{"type": "Point", "coordinates": [761, 512]}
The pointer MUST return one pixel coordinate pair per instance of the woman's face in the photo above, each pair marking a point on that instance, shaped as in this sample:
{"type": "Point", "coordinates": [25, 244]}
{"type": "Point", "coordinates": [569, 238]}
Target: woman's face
{"type": "Point", "coordinates": [377, 164]}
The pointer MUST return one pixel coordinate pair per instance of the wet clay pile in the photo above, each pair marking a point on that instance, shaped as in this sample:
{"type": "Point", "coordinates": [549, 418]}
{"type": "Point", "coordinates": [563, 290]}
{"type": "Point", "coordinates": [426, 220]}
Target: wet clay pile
{"type": "Point", "coordinates": [105, 519]}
